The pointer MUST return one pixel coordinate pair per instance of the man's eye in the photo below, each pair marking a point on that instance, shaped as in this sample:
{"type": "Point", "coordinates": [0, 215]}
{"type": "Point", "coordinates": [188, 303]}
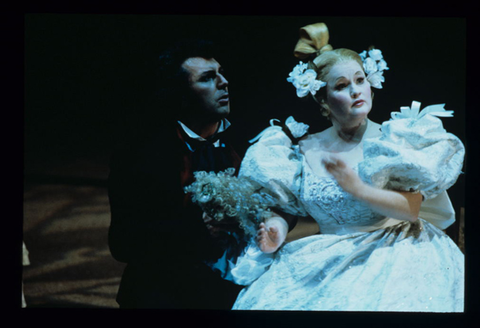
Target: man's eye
{"type": "Point", "coordinates": [207, 77]}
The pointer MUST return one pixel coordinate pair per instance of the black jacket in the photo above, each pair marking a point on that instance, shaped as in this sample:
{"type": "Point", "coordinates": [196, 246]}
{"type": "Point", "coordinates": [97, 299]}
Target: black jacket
{"type": "Point", "coordinates": [156, 229]}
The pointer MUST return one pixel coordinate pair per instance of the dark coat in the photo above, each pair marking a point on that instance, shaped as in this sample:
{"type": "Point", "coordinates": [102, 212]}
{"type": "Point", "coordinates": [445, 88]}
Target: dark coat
{"type": "Point", "coordinates": [158, 232]}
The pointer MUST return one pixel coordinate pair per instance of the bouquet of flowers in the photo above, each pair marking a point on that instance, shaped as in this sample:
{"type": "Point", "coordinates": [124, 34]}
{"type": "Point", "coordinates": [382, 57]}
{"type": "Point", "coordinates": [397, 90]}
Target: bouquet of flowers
{"type": "Point", "coordinates": [224, 195]}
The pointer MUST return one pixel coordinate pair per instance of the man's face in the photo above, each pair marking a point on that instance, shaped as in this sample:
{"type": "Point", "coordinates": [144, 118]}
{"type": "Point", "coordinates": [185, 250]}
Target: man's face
{"type": "Point", "coordinates": [209, 87]}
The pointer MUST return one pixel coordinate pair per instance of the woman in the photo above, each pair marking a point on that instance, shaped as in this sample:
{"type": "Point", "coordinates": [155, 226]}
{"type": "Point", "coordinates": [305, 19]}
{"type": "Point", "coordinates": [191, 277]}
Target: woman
{"type": "Point", "coordinates": [377, 193]}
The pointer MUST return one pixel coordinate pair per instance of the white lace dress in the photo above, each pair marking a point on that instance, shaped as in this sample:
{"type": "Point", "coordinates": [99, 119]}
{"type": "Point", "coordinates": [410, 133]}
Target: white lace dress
{"type": "Point", "coordinates": [361, 261]}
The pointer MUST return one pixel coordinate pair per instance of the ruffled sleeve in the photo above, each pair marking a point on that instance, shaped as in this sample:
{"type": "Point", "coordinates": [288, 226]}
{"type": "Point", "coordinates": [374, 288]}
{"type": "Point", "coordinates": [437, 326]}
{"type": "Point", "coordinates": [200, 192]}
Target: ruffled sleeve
{"type": "Point", "coordinates": [415, 153]}
{"type": "Point", "coordinates": [249, 266]}
{"type": "Point", "coordinates": [274, 162]}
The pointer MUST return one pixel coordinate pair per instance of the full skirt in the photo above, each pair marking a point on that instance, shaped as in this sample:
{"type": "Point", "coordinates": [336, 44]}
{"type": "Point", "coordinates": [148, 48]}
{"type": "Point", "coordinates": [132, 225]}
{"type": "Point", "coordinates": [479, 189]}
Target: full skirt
{"type": "Point", "coordinates": [411, 267]}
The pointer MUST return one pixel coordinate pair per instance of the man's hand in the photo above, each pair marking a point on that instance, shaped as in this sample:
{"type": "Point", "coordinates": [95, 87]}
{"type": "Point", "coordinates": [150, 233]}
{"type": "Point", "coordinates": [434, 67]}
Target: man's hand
{"type": "Point", "coordinates": [219, 228]}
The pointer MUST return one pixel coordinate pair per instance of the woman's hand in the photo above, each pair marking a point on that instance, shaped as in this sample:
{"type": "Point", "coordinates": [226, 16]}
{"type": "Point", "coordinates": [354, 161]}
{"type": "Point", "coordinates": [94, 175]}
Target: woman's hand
{"type": "Point", "coordinates": [346, 177]}
{"type": "Point", "coordinates": [400, 205]}
{"type": "Point", "coordinates": [271, 234]}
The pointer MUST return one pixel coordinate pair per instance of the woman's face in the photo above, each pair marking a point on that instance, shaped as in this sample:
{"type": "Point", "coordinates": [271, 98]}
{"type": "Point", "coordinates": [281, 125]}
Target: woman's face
{"type": "Point", "coordinates": [349, 96]}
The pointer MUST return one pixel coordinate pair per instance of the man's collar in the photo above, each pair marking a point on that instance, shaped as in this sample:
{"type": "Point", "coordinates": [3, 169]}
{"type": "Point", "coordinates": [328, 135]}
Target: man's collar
{"type": "Point", "coordinates": [224, 124]}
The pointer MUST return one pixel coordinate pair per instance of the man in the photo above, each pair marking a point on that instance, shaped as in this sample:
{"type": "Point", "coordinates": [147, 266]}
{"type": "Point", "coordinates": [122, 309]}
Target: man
{"type": "Point", "coordinates": [155, 228]}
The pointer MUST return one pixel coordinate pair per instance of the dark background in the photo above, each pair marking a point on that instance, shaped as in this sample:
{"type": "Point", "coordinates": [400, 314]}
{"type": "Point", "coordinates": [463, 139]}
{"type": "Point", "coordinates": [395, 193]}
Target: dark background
{"type": "Point", "coordinates": [88, 75]}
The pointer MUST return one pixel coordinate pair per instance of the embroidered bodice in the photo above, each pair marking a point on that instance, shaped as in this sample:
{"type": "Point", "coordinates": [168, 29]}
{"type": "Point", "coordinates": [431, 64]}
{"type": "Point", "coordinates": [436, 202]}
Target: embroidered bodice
{"type": "Point", "coordinates": [410, 152]}
{"type": "Point", "coordinates": [334, 210]}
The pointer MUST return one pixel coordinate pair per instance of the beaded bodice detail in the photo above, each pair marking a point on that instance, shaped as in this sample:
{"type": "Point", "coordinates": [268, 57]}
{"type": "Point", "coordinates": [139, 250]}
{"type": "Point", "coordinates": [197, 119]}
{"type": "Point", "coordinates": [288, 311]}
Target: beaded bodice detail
{"type": "Point", "coordinates": [332, 207]}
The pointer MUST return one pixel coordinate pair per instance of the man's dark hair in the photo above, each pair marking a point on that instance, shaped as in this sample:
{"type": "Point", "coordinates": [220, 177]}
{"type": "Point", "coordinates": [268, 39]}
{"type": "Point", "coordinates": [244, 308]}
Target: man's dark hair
{"type": "Point", "coordinates": [172, 79]}
{"type": "Point", "coordinates": [171, 85]}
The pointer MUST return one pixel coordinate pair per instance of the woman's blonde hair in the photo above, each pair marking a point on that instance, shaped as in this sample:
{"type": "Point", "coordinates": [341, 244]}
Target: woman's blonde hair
{"type": "Point", "coordinates": [313, 48]}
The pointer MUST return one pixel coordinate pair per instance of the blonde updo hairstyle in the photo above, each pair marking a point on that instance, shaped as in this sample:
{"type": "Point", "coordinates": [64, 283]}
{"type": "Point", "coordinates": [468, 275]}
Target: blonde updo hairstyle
{"type": "Point", "coordinates": [313, 48]}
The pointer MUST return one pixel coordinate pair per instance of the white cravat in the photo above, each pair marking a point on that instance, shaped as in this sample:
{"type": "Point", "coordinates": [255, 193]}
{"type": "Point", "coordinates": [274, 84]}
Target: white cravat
{"type": "Point", "coordinates": [224, 124]}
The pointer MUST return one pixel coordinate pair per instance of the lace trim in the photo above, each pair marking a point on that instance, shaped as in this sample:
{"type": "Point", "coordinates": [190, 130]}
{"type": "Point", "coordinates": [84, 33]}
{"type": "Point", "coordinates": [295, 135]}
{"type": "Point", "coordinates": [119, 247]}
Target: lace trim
{"type": "Point", "coordinates": [327, 194]}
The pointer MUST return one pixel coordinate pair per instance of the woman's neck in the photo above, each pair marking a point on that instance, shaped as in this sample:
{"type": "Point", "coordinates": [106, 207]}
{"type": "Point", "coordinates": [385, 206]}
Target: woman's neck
{"type": "Point", "coordinates": [350, 134]}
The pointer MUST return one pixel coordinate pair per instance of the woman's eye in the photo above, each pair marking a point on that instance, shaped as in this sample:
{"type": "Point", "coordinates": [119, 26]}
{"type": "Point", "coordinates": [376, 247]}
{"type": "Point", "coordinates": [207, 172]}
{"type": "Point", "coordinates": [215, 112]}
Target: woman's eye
{"type": "Point", "coordinates": [360, 80]}
{"type": "Point", "coordinates": [340, 86]}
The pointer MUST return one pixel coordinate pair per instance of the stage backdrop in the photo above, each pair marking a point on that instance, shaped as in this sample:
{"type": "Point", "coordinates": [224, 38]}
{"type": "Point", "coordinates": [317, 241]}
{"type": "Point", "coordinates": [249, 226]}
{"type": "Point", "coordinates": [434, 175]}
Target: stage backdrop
{"type": "Point", "coordinates": [87, 75]}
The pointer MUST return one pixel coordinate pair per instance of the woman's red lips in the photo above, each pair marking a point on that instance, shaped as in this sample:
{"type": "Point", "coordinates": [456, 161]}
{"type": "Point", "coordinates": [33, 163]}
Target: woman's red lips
{"type": "Point", "coordinates": [358, 102]}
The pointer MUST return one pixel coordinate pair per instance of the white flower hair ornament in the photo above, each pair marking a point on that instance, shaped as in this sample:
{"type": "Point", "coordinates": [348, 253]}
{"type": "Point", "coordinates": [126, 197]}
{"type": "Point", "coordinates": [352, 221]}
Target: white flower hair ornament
{"type": "Point", "coordinates": [374, 65]}
{"type": "Point", "coordinates": [305, 80]}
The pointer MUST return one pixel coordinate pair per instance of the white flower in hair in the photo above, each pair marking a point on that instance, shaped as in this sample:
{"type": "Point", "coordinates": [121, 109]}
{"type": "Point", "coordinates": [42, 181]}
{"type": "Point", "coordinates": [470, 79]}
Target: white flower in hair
{"type": "Point", "coordinates": [304, 80]}
{"type": "Point", "coordinates": [376, 79]}
{"type": "Point", "coordinates": [382, 65]}
{"type": "Point", "coordinates": [363, 54]}
{"type": "Point", "coordinates": [375, 54]}
{"type": "Point", "coordinates": [374, 65]}
{"type": "Point", "coordinates": [306, 83]}
{"type": "Point", "coordinates": [370, 66]}
{"type": "Point", "coordinates": [298, 70]}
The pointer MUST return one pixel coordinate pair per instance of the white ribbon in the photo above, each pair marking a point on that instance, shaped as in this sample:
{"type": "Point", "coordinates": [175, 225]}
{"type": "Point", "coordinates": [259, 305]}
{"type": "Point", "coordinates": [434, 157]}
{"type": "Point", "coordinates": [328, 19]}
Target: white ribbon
{"type": "Point", "coordinates": [263, 132]}
{"type": "Point", "coordinates": [414, 112]}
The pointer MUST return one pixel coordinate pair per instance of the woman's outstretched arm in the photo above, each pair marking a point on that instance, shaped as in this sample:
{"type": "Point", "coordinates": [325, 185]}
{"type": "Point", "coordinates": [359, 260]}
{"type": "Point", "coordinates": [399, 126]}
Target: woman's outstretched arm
{"type": "Point", "coordinates": [306, 226]}
{"type": "Point", "coordinates": [399, 205]}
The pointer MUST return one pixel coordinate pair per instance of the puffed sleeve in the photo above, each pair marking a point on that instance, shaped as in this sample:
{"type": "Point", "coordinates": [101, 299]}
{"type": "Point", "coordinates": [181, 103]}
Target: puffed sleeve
{"type": "Point", "coordinates": [275, 163]}
{"type": "Point", "coordinates": [415, 153]}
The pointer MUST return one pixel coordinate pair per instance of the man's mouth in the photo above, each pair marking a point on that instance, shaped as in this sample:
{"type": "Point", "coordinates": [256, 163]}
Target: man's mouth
{"type": "Point", "coordinates": [224, 99]}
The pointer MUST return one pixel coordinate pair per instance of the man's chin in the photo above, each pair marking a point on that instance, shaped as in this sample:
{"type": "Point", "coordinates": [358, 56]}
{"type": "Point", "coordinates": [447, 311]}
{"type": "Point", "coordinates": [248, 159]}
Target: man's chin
{"type": "Point", "coordinates": [223, 112]}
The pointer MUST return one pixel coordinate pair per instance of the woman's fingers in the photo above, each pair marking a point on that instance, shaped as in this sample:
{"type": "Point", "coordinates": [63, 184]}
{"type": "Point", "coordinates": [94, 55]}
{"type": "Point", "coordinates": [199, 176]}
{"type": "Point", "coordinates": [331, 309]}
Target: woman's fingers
{"type": "Point", "coordinates": [273, 230]}
{"type": "Point", "coordinates": [332, 161]}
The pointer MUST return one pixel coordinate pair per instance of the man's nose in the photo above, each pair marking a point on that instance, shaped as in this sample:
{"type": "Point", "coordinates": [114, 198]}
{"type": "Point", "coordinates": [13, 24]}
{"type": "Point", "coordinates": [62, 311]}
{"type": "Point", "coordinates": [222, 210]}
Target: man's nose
{"type": "Point", "coordinates": [222, 81]}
